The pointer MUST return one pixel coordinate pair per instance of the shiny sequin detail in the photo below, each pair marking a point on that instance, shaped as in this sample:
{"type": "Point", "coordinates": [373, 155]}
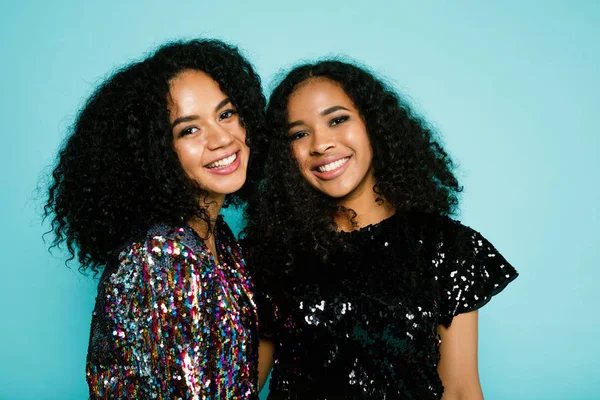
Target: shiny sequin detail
{"type": "Point", "coordinates": [364, 325]}
{"type": "Point", "coordinates": [170, 323]}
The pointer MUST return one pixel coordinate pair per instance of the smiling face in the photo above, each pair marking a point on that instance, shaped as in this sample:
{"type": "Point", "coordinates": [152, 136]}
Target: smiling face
{"type": "Point", "coordinates": [208, 136]}
{"type": "Point", "coordinates": [329, 140]}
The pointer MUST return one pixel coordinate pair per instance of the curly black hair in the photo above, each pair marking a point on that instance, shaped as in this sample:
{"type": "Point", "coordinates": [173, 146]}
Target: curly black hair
{"type": "Point", "coordinates": [412, 170]}
{"type": "Point", "coordinates": [118, 174]}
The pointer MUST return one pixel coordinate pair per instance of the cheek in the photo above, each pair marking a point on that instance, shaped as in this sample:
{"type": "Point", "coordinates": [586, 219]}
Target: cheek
{"type": "Point", "coordinates": [368, 154]}
{"type": "Point", "coordinates": [243, 143]}
{"type": "Point", "coordinates": [239, 132]}
{"type": "Point", "coordinates": [190, 154]}
{"type": "Point", "coordinates": [301, 161]}
{"type": "Point", "coordinates": [245, 149]}
{"type": "Point", "coordinates": [298, 155]}
{"type": "Point", "coordinates": [363, 145]}
{"type": "Point", "coordinates": [295, 151]}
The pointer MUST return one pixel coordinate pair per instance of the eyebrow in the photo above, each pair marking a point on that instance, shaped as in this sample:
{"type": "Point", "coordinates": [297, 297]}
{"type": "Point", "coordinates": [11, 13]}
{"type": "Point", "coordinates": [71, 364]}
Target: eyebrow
{"type": "Point", "coordinates": [325, 112]}
{"type": "Point", "coordinates": [188, 118]}
{"type": "Point", "coordinates": [223, 102]}
{"type": "Point", "coordinates": [181, 120]}
{"type": "Point", "coordinates": [295, 123]}
{"type": "Point", "coordinates": [333, 109]}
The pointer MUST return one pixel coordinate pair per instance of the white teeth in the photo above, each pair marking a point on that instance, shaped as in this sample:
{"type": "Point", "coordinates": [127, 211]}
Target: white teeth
{"type": "Point", "coordinates": [333, 165]}
{"type": "Point", "coordinates": [223, 162]}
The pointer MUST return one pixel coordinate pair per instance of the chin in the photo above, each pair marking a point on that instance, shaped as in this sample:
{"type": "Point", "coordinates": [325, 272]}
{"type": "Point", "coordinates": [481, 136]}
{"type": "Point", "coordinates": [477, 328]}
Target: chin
{"type": "Point", "coordinates": [227, 185]}
{"type": "Point", "coordinates": [229, 189]}
{"type": "Point", "coordinates": [337, 191]}
{"type": "Point", "coordinates": [336, 194]}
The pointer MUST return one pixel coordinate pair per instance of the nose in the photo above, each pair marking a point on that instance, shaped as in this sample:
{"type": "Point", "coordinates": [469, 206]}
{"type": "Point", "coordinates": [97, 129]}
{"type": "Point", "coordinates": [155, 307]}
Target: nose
{"type": "Point", "coordinates": [323, 140]}
{"type": "Point", "coordinates": [218, 136]}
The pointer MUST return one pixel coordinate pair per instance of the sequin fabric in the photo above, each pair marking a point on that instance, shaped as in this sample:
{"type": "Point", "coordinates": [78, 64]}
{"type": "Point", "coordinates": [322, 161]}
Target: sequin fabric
{"type": "Point", "coordinates": [364, 326]}
{"type": "Point", "coordinates": [171, 323]}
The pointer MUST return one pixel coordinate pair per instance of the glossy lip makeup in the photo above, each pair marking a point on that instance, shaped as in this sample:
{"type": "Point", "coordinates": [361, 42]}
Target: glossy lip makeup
{"type": "Point", "coordinates": [224, 165]}
{"type": "Point", "coordinates": [331, 167]}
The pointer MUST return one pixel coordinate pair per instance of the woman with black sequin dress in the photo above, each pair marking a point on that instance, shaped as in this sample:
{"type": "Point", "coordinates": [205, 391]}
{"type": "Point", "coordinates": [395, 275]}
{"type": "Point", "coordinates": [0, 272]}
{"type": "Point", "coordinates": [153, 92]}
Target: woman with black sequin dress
{"type": "Point", "coordinates": [153, 156]}
{"type": "Point", "coordinates": [367, 288]}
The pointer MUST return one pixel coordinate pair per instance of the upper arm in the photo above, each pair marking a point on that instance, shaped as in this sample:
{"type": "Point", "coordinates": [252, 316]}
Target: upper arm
{"type": "Point", "coordinates": [458, 368]}
{"type": "Point", "coordinates": [470, 271]}
{"type": "Point", "coordinates": [266, 351]}
{"type": "Point", "coordinates": [266, 326]}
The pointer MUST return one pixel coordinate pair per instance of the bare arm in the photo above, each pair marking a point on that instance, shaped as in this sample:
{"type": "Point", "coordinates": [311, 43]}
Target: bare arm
{"type": "Point", "coordinates": [458, 364]}
{"type": "Point", "coordinates": [266, 351]}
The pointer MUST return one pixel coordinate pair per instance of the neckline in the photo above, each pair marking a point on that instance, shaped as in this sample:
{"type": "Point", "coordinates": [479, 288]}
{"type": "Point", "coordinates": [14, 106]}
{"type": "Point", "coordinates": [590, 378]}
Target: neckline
{"type": "Point", "coordinates": [217, 229]}
{"type": "Point", "coordinates": [372, 227]}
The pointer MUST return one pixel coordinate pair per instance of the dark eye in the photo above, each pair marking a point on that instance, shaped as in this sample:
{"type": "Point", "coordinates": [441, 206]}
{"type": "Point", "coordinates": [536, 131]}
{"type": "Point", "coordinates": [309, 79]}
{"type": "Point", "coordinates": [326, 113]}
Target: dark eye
{"type": "Point", "coordinates": [227, 114]}
{"type": "Point", "coordinates": [339, 120]}
{"type": "Point", "coordinates": [298, 135]}
{"type": "Point", "coordinates": [188, 131]}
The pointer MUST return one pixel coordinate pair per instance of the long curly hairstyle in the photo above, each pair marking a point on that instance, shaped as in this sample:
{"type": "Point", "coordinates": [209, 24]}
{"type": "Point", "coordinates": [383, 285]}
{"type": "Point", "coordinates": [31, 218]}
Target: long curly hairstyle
{"type": "Point", "coordinates": [118, 174]}
{"type": "Point", "coordinates": [412, 170]}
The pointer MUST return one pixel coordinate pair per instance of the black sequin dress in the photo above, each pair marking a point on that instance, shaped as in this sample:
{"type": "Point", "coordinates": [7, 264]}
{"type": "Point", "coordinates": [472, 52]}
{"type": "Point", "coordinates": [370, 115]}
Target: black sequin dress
{"type": "Point", "coordinates": [365, 325]}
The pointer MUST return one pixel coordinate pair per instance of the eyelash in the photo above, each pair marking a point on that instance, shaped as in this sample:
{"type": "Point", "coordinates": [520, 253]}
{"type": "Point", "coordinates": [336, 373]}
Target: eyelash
{"type": "Point", "coordinates": [187, 131]}
{"type": "Point", "coordinates": [334, 122]}
{"type": "Point", "coordinates": [298, 135]}
{"type": "Point", "coordinates": [230, 112]}
{"type": "Point", "coordinates": [224, 115]}
{"type": "Point", "coordinates": [339, 120]}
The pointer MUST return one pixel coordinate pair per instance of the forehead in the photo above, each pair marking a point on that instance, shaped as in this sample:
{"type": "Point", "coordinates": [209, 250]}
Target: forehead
{"type": "Point", "coordinates": [317, 94]}
{"type": "Point", "coordinates": [193, 88]}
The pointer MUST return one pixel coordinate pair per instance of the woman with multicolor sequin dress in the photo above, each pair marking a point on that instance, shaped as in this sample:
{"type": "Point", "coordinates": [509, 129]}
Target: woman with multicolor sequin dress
{"type": "Point", "coordinates": [368, 290]}
{"type": "Point", "coordinates": [153, 156]}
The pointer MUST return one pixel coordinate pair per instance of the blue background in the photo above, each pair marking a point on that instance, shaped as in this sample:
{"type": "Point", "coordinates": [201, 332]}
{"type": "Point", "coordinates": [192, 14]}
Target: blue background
{"type": "Point", "coordinates": [512, 86]}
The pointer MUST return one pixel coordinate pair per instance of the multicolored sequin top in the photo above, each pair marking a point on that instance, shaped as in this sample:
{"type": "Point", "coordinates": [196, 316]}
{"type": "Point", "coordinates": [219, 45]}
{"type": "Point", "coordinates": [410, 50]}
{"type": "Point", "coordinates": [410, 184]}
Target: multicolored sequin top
{"type": "Point", "coordinates": [365, 324]}
{"type": "Point", "coordinates": [171, 323]}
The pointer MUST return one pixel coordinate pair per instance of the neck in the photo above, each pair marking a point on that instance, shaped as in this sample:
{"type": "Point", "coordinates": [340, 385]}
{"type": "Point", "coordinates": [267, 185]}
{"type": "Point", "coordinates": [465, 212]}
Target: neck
{"type": "Point", "coordinates": [212, 204]}
{"type": "Point", "coordinates": [368, 210]}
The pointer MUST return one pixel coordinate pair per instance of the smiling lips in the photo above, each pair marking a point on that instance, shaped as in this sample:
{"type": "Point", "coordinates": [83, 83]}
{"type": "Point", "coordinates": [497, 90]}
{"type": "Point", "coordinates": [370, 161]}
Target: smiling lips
{"type": "Point", "coordinates": [225, 165]}
{"type": "Point", "coordinates": [332, 169]}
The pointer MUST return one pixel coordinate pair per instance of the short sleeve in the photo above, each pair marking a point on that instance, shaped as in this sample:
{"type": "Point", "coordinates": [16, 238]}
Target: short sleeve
{"type": "Point", "coordinates": [175, 329]}
{"type": "Point", "coordinates": [470, 271]}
